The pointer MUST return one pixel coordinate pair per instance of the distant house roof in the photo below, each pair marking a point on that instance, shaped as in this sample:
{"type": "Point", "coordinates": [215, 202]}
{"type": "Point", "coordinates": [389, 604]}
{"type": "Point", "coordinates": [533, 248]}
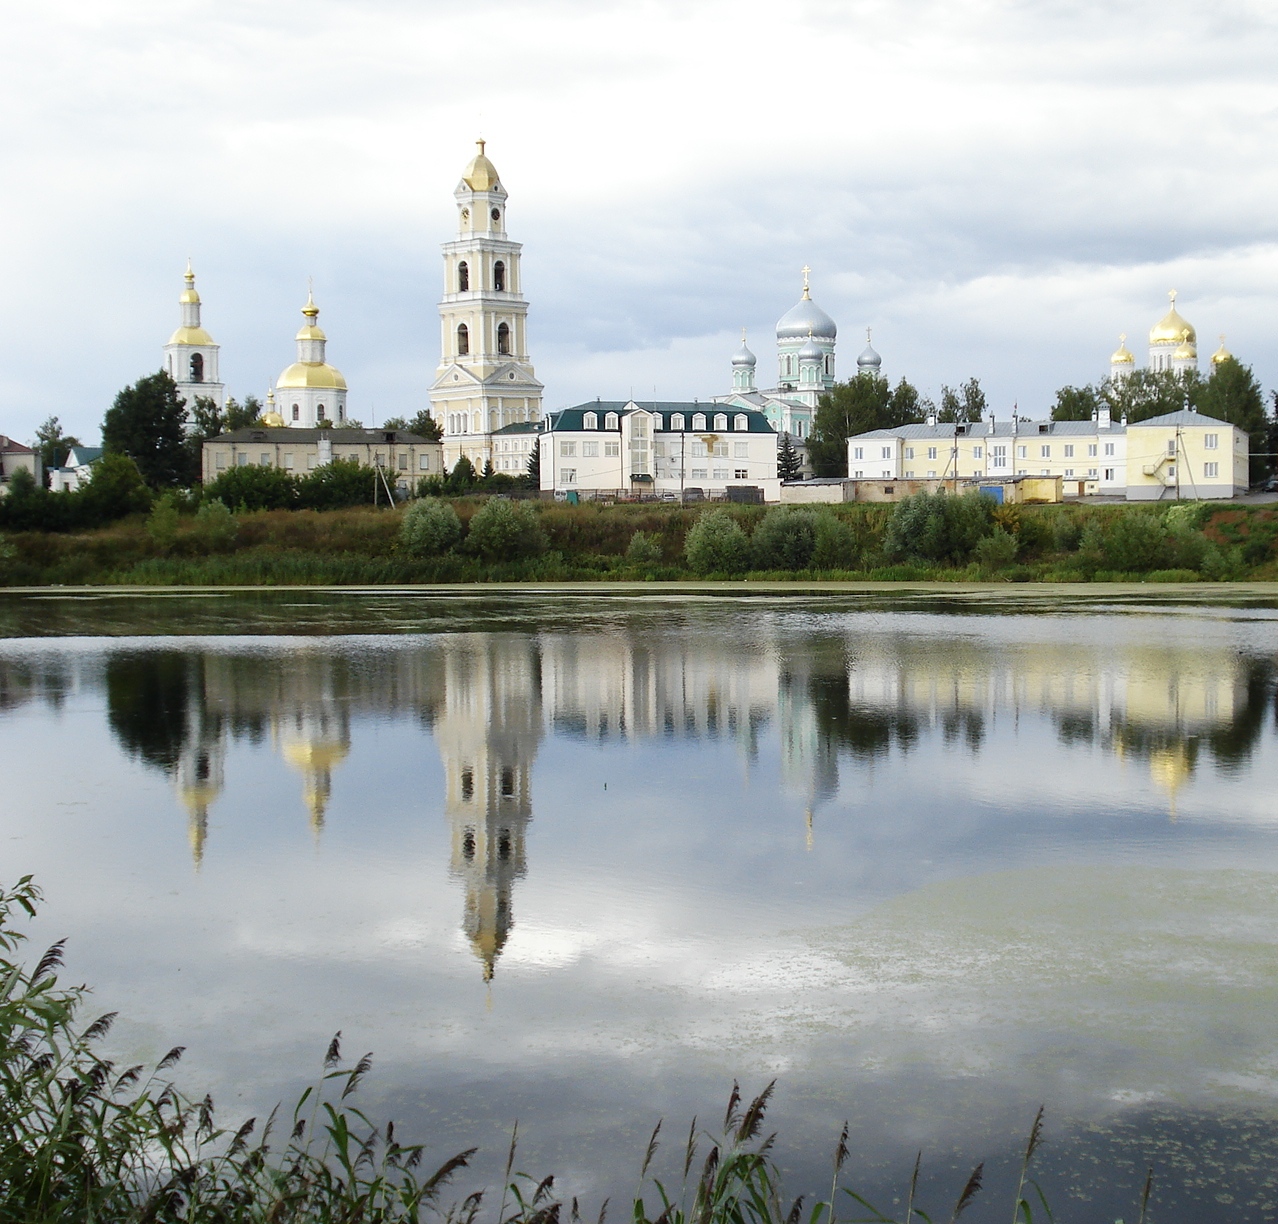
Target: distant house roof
{"type": "Point", "coordinates": [520, 427]}
{"type": "Point", "coordinates": [83, 456]}
{"type": "Point", "coordinates": [1195, 420]}
{"type": "Point", "coordinates": [9, 446]}
{"type": "Point", "coordinates": [339, 437]}
{"type": "Point", "coordinates": [571, 419]}
{"type": "Point", "coordinates": [999, 429]}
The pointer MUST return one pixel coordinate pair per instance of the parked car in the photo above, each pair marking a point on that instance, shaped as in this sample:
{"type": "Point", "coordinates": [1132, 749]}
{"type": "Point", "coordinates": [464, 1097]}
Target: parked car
{"type": "Point", "coordinates": [693, 494]}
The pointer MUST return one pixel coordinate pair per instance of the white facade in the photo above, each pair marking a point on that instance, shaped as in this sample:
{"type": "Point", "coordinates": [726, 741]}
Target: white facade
{"type": "Point", "coordinates": [485, 380]}
{"type": "Point", "coordinates": [611, 447]}
{"type": "Point", "coordinates": [310, 390]}
{"type": "Point", "coordinates": [190, 357]}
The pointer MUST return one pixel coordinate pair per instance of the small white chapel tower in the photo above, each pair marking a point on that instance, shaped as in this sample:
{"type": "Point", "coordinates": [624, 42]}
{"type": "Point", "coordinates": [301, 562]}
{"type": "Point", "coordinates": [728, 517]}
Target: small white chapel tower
{"type": "Point", "coordinates": [485, 380]}
{"type": "Point", "coordinates": [190, 357]}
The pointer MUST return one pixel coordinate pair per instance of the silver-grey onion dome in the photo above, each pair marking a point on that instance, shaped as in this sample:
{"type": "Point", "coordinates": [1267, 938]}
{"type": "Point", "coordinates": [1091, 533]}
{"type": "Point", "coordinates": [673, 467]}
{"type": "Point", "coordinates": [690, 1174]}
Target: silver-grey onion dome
{"type": "Point", "coordinates": [744, 357]}
{"type": "Point", "coordinates": [869, 359]}
{"type": "Point", "coordinates": [806, 317]}
{"type": "Point", "coordinates": [811, 351]}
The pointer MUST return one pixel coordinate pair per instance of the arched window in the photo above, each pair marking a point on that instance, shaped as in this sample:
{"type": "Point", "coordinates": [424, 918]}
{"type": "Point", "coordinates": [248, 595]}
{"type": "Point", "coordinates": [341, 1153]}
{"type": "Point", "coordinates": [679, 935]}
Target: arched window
{"type": "Point", "coordinates": [677, 421]}
{"type": "Point", "coordinates": [341, 413]}
{"type": "Point", "coordinates": [699, 422]}
{"type": "Point", "coordinates": [656, 421]}
{"type": "Point", "coordinates": [463, 340]}
{"type": "Point", "coordinates": [319, 412]}
{"type": "Point", "coordinates": [590, 421]}
{"type": "Point", "coordinates": [499, 276]}
{"type": "Point", "coordinates": [612, 421]}
{"type": "Point", "coordinates": [197, 367]}
{"type": "Point", "coordinates": [721, 421]}
{"type": "Point", "coordinates": [503, 337]}
{"type": "Point", "coordinates": [463, 277]}
{"type": "Point", "coordinates": [741, 421]}
{"type": "Point", "coordinates": [297, 412]}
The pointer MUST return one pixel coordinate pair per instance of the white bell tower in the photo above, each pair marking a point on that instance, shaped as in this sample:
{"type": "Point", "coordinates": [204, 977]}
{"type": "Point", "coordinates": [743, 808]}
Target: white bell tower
{"type": "Point", "coordinates": [190, 357]}
{"type": "Point", "coordinates": [485, 379]}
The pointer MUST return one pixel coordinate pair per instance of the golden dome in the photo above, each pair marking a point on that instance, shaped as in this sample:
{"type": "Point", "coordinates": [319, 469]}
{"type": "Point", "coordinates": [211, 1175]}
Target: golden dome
{"type": "Point", "coordinates": [190, 335]}
{"type": "Point", "coordinates": [1172, 327]}
{"type": "Point", "coordinates": [1221, 354]}
{"type": "Point", "coordinates": [1122, 354]}
{"type": "Point", "coordinates": [312, 374]}
{"type": "Point", "coordinates": [188, 294]}
{"type": "Point", "coordinates": [1186, 350]}
{"type": "Point", "coordinates": [310, 330]}
{"type": "Point", "coordinates": [272, 420]}
{"type": "Point", "coordinates": [480, 174]}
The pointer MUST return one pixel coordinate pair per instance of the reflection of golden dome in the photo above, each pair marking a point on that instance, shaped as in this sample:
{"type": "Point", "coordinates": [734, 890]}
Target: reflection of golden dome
{"type": "Point", "coordinates": [196, 800]}
{"type": "Point", "coordinates": [1221, 354]}
{"type": "Point", "coordinates": [1122, 354]}
{"type": "Point", "coordinates": [312, 374]}
{"type": "Point", "coordinates": [480, 174]}
{"type": "Point", "coordinates": [1170, 770]}
{"type": "Point", "coordinates": [1172, 327]}
{"type": "Point", "coordinates": [315, 754]}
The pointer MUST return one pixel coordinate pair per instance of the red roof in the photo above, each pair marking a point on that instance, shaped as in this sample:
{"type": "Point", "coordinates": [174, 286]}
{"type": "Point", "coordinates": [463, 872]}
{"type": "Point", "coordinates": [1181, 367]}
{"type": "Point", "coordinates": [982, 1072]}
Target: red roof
{"type": "Point", "coordinates": [9, 447]}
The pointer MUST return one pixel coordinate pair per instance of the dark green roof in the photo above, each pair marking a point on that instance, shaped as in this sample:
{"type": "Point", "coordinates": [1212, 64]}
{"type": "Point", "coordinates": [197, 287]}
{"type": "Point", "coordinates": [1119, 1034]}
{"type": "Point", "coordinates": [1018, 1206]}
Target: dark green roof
{"type": "Point", "coordinates": [520, 427]}
{"type": "Point", "coordinates": [572, 419]}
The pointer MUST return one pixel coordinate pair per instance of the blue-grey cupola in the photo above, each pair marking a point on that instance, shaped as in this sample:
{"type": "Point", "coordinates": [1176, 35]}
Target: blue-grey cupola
{"type": "Point", "coordinates": [743, 363]}
{"type": "Point", "coordinates": [805, 326]}
{"type": "Point", "coordinates": [869, 360]}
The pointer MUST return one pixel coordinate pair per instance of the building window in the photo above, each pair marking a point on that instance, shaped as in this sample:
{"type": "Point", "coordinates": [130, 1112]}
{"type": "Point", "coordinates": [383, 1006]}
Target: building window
{"type": "Point", "coordinates": [887, 453]}
{"type": "Point", "coordinates": [567, 450]}
{"type": "Point", "coordinates": [1069, 472]}
{"type": "Point", "coordinates": [741, 474]}
{"type": "Point", "coordinates": [697, 448]}
{"type": "Point", "coordinates": [612, 450]}
{"type": "Point", "coordinates": [977, 452]}
{"type": "Point", "coordinates": [656, 421]}
{"type": "Point", "coordinates": [998, 456]}
{"type": "Point", "coordinates": [1022, 452]}
{"type": "Point", "coordinates": [721, 421]}
{"type": "Point", "coordinates": [612, 421]}
{"type": "Point", "coordinates": [1211, 441]}
{"type": "Point", "coordinates": [463, 340]}
{"type": "Point", "coordinates": [499, 276]}
{"type": "Point", "coordinates": [677, 421]}
{"type": "Point", "coordinates": [463, 277]}
{"type": "Point", "coordinates": [297, 412]}
{"type": "Point", "coordinates": [379, 460]}
{"type": "Point", "coordinates": [1171, 469]}
{"type": "Point", "coordinates": [699, 420]}
{"type": "Point", "coordinates": [858, 452]}
{"type": "Point", "coordinates": [741, 450]}
{"type": "Point", "coordinates": [1211, 470]}
{"type": "Point", "coordinates": [403, 463]}
{"type": "Point", "coordinates": [288, 463]}
{"type": "Point", "coordinates": [1109, 473]}
{"type": "Point", "coordinates": [590, 450]}
{"type": "Point", "coordinates": [1045, 452]}
{"type": "Point", "coordinates": [219, 460]}
{"type": "Point", "coordinates": [568, 476]}
{"type": "Point", "coordinates": [197, 367]}
{"type": "Point", "coordinates": [931, 475]}
{"type": "Point", "coordinates": [1091, 472]}
{"type": "Point", "coordinates": [931, 452]}
{"type": "Point", "coordinates": [319, 411]}
{"type": "Point", "coordinates": [423, 463]}
{"type": "Point", "coordinates": [310, 461]}
{"type": "Point", "coordinates": [1091, 450]}
{"type": "Point", "coordinates": [241, 460]}
{"type": "Point", "coordinates": [699, 474]}
{"type": "Point", "coordinates": [1171, 448]}
{"type": "Point", "coordinates": [909, 452]}
{"type": "Point", "coordinates": [503, 339]}
{"type": "Point", "coordinates": [590, 421]}
{"type": "Point", "coordinates": [741, 421]}
{"type": "Point", "coordinates": [1069, 451]}
{"type": "Point", "coordinates": [720, 474]}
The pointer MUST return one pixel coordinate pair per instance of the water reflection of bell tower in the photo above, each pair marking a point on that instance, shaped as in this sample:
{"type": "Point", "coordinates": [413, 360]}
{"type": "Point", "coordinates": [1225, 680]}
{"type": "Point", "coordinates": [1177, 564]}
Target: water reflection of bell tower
{"type": "Point", "coordinates": [315, 740]}
{"type": "Point", "coordinates": [199, 779]}
{"type": "Point", "coordinates": [488, 734]}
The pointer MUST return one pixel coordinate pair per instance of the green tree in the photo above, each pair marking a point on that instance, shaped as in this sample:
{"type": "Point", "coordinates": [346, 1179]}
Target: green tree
{"type": "Point", "coordinates": [215, 526]}
{"type": "Point", "coordinates": [1076, 404]}
{"type": "Point", "coordinates": [54, 445]}
{"type": "Point", "coordinates": [430, 527]}
{"type": "Point", "coordinates": [341, 483]}
{"type": "Point", "coordinates": [489, 470]}
{"type": "Point", "coordinates": [789, 465]}
{"type": "Point", "coordinates": [938, 527]}
{"type": "Point", "coordinates": [533, 471]}
{"type": "Point", "coordinates": [504, 530]}
{"type": "Point", "coordinates": [162, 524]}
{"type": "Point", "coordinates": [1149, 393]}
{"type": "Point", "coordinates": [254, 488]}
{"type": "Point", "coordinates": [423, 425]}
{"type": "Point", "coordinates": [785, 539]}
{"type": "Point", "coordinates": [462, 477]}
{"type": "Point", "coordinates": [206, 419]}
{"type": "Point", "coordinates": [241, 416]}
{"type": "Point", "coordinates": [115, 489]}
{"type": "Point", "coordinates": [717, 545]}
{"type": "Point", "coordinates": [1232, 394]}
{"type": "Point", "coordinates": [644, 550]}
{"type": "Point", "coordinates": [147, 423]}
{"type": "Point", "coordinates": [966, 404]}
{"type": "Point", "coordinates": [857, 406]}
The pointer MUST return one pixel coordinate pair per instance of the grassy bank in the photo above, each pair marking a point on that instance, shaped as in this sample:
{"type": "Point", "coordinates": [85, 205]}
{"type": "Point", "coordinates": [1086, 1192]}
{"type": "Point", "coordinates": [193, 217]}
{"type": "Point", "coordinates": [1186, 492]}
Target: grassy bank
{"type": "Point", "coordinates": [593, 542]}
{"type": "Point", "coordinates": [85, 1140]}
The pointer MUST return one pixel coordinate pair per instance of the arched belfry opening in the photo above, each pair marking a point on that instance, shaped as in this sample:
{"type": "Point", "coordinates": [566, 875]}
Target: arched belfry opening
{"type": "Point", "coordinates": [197, 367]}
{"type": "Point", "coordinates": [463, 340]}
{"type": "Point", "coordinates": [499, 276]}
{"type": "Point", "coordinates": [463, 277]}
{"type": "Point", "coordinates": [503, 339]}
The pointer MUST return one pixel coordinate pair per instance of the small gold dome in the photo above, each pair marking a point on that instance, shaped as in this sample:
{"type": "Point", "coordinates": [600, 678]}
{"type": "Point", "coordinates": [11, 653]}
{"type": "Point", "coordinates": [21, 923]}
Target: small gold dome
{"type": "Point", "coordinates": [272, 420]}
{"type": "Point", "coordinates": [1221, 354]}
{"type": "Point", "coordinates": [1172, 327]}
{"type": "Point", "coordinates": [1186, 350]}
{"type": "Point", "coordinates": [312, 374]}
{"type": "Point", "coordinates": [1122, 354]}
{"type": "Point", "coordinates": [189, 296]}
{"type": "Point", "coordinates": [190, 335]}
{"type": "Point", "coordinates": [480, 174]}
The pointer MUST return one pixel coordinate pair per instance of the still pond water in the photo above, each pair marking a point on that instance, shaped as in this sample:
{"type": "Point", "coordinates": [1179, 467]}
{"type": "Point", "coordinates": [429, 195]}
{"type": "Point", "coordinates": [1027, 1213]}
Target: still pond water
{"type": "Point", "coordinates": [582, 861]}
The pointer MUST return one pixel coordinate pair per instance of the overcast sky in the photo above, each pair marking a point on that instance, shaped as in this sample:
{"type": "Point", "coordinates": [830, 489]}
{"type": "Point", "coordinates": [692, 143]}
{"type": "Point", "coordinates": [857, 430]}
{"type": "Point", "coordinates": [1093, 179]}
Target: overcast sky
{"type": "Point", "coordinates": [997, 187]}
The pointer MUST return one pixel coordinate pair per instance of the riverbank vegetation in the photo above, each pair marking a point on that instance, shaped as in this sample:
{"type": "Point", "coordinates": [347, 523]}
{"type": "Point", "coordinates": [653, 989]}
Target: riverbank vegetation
{"type": "Point", "coordinates": [84, 1138]}
{"type": "Point", "coordinates": [936, 537]}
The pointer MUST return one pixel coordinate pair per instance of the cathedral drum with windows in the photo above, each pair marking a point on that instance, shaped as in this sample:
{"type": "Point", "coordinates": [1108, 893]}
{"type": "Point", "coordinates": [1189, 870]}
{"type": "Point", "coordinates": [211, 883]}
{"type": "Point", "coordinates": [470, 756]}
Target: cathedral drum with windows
{"type": "Point", "coordinates": [485, 381]}
{"type": "Point", "coordinates": [310, 391]}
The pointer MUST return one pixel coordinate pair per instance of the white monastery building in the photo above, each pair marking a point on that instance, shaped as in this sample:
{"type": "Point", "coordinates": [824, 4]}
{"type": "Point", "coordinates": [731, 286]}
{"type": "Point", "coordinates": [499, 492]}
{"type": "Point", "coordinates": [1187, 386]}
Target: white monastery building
{"type": "Point", "coordinates": [485, 381]}
{"type": "Point", "coordinates": [616, 448]}
{"type": "Point", "coordinates": [190, 357]}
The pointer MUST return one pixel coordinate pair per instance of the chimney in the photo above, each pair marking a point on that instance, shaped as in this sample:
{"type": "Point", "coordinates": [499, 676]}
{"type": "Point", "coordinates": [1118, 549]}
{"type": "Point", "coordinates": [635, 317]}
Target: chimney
{"type": "Point", "coordinates": [991, 424]}
{"type": "Point", "coordinates": [1103, 419]}
{"type": "Point", "coordinates": [931, 418]}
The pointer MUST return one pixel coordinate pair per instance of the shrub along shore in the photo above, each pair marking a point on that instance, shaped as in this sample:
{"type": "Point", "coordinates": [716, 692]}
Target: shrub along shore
{"type": "Point", "coordinates": [471, 539]}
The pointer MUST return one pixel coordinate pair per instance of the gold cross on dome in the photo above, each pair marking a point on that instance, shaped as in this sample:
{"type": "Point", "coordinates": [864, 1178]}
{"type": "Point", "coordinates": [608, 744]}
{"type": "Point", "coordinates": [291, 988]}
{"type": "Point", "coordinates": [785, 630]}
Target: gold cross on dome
{"type": "Point", "coordinates": [1171, 293]}
{"type": "Point", "coordinates": [806, 270]}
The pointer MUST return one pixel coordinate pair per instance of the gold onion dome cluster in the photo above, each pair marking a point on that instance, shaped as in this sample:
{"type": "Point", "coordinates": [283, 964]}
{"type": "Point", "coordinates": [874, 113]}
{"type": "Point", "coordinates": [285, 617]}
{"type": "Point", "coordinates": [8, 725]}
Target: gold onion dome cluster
{"type": "Point", "coordinates": [480, 174]}
{"type": "Point", "coordinates": [311, 373]}
{"type": "Point", "coordinates": [1122, 354]}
